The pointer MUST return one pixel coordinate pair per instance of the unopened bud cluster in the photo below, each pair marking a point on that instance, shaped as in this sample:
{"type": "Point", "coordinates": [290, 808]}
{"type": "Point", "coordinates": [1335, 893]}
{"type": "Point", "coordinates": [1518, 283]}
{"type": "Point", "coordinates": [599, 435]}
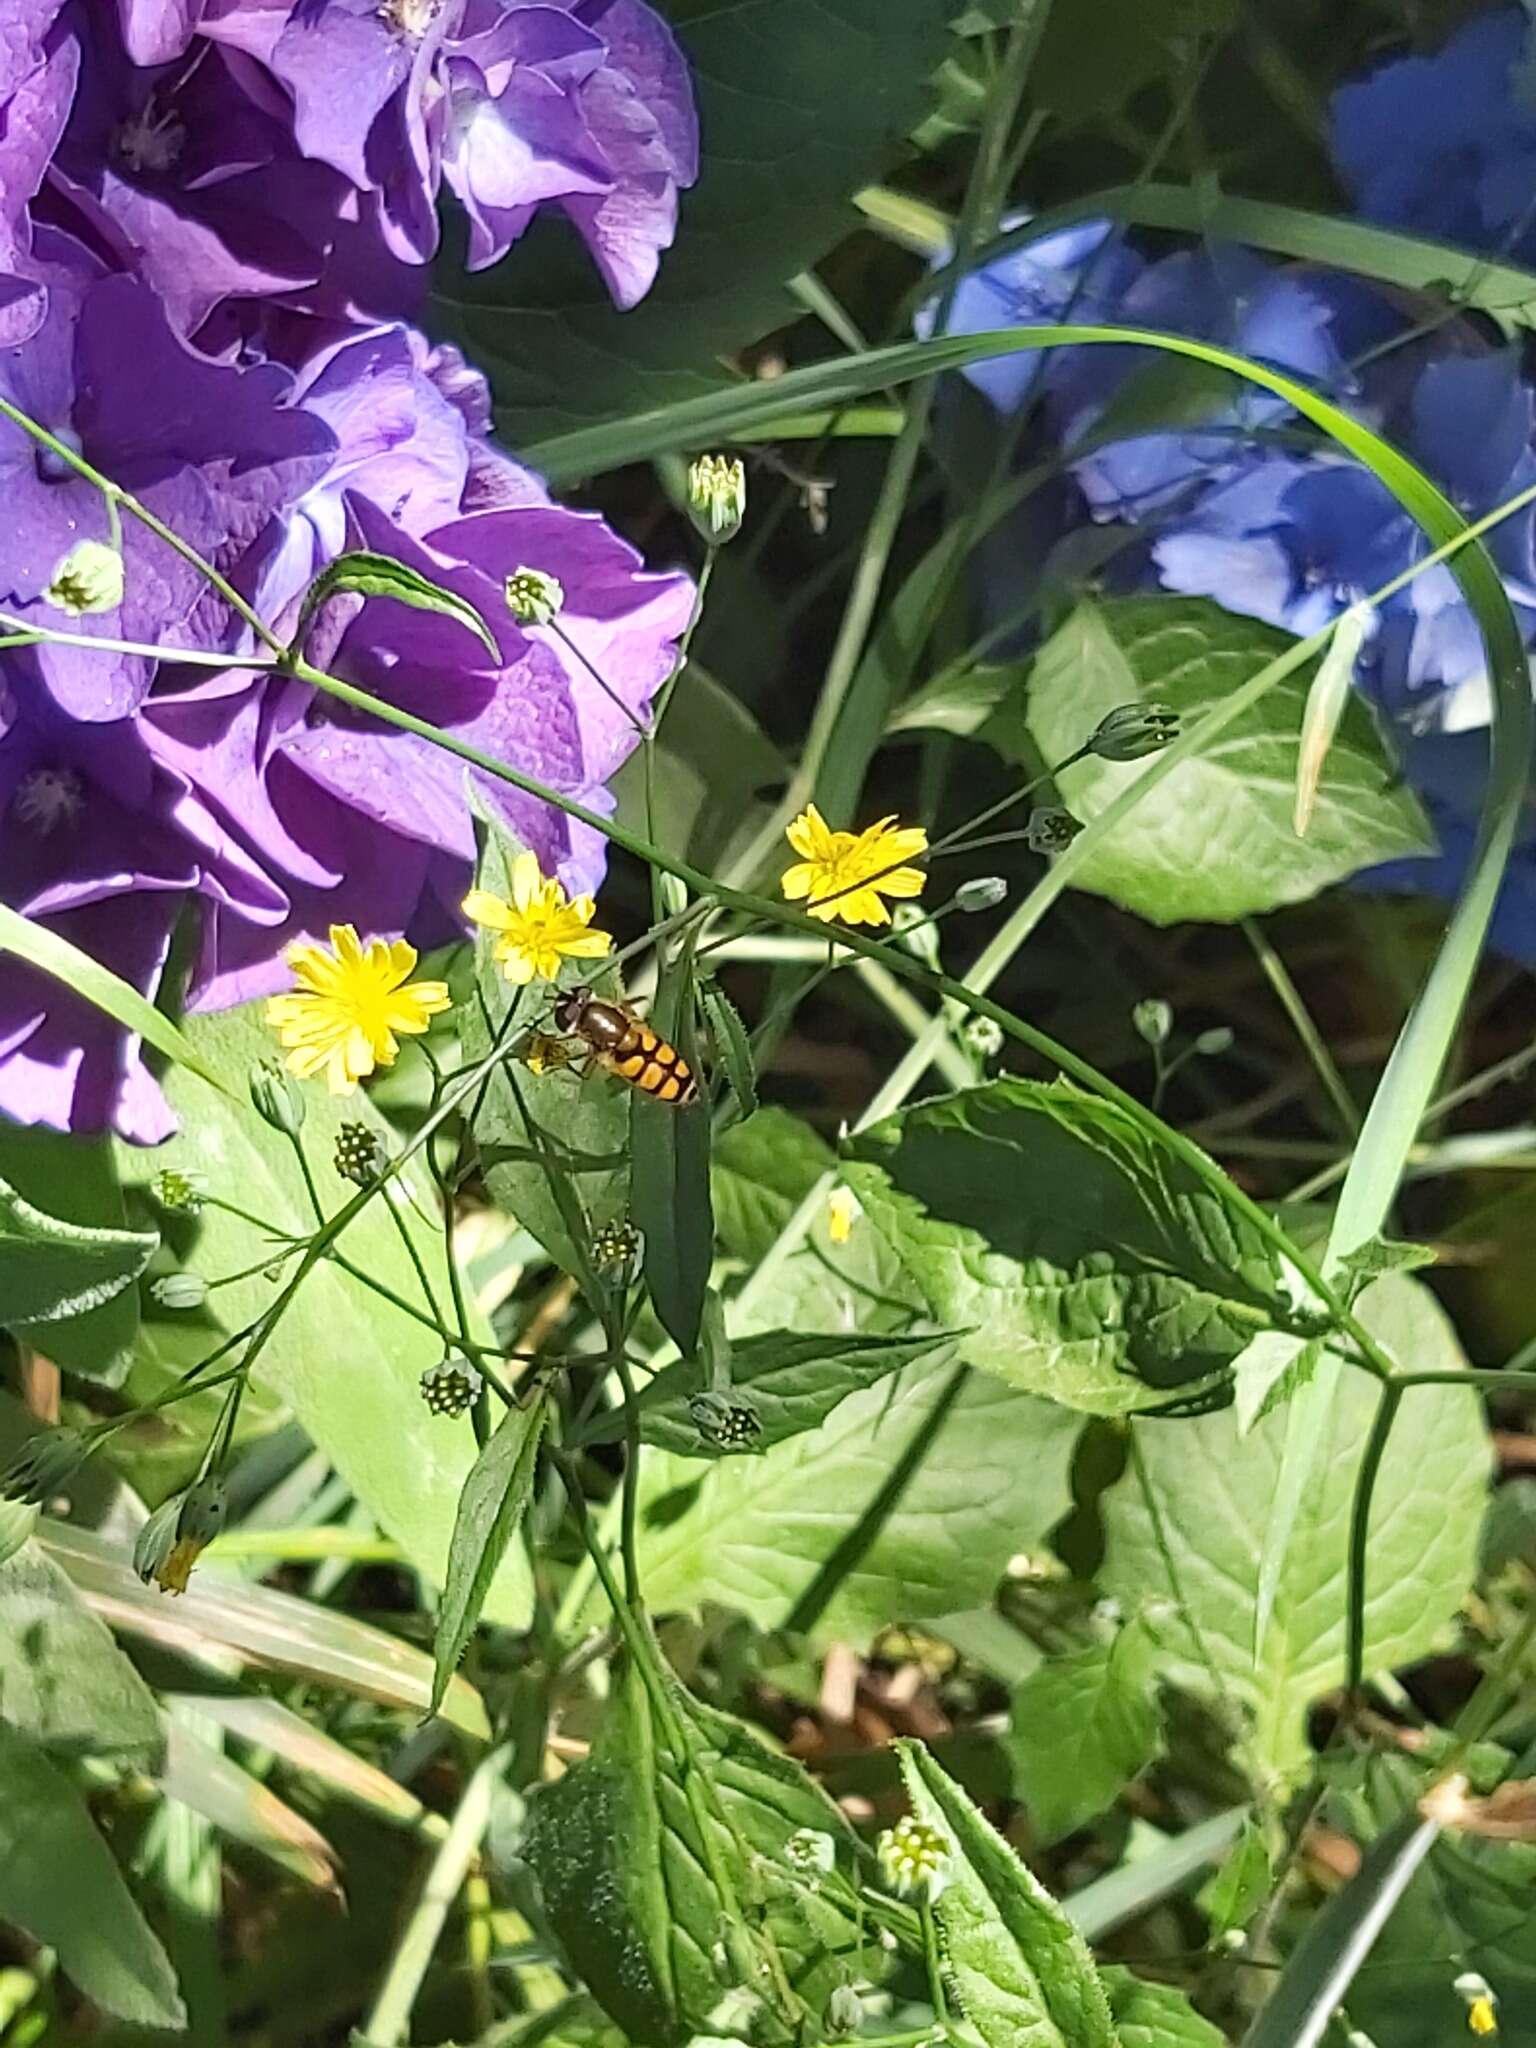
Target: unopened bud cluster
{"type": "Point", "coordinates": [179, 1193]}
{"type": "Point", "coordinates": [451, 1387]}
{"type": "Point", "coordinates": [914, 1856]}
{"type": "Point", "coordinates": [728, 1421]}
{"type": "Point", "coordinates": [40, 1469]}
{"type": "Point", "coordinates": [1050, 831]}
{"type": "Point", "coordinates": [359, 1154]}
{"type": "Point", "coordinates": [534, 598]}
{"type": "Point", "coordinates": [89, 579]}
{"type": "Point", "coordinates": [617, 1251]}
{"type": "Point", "coordinates": [277, 1098]}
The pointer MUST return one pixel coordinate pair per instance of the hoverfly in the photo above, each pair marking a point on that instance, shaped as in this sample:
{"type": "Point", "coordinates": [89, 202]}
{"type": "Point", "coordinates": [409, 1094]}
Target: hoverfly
{"type": "Point", "coordinates": [627, 1048]}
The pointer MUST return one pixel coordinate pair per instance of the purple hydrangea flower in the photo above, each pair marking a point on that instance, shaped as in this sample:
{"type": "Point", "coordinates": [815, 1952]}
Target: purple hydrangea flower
{"type": "Point", "coordinates": [364, 823]}
{"type": "Point", "coordinates": [515, 103]}
{"type": "Point", "coordinates": [1446, 145]}
{"type": "Point", "coordinates": [102, 844]}
{"type": "Point", "coordinates": [38, 63]}
{"type": "Point", "coordinates": [212, 451]}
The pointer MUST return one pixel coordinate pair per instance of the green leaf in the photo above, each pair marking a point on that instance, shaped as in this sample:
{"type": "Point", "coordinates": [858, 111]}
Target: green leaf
{"type": "Point", "coordinates": [347, 1363]}
{"type": "Point", "coordinates": [490, 1512]}
{"type": "Point", "coordinates": [75, 1178]}
{"type": "Point", "coordinates": [1186, 1551]}
{"type": "Point", "coordinates": [51, 1268]}
{"type": "Point", "coordinates": [960, 703]}
{"type": "Point", "coordinates": [54, 955]}
{"type": "Point", "coordinates": [554, 1148]}
{"type": "Point", "coordinates": [785, 146]}
{"type": "Point", "coordinates": [1241, 1885]}
{"type": "Point", "coordinates": [762, 1168]}
{"type": "Point", "coordinates": [906, 1503]}
{"type": "Point", "coordinates": [1270, 1371]}
{"type": "Point", "coordinates": [1214, 840]}
{"type": "Point", "coordinates": [1090, 62]}
{"type": "Point", "coordinates": [732, 1045]}
{"type": "Point", "coordinates": [1465, 278]}
{"type": "Point", "coordinates": [1150, 2015]}
{"type": "Point", "coordinates": [1090, 1262]}
{"type": "Point", "coordinates": [1016, 1967]}
{"type": "Point", "coordinates": [1080, 1729]}
{"type": "Point", "coordinates": [58, 1881]}
{"type": "Point", "coordinates": [242, 1624]}
{"type": "Point", "coordinates": [63, 1681]}
{"type": "Point", "coordinates": [199, 1775]}
{"type": "Point", "coordinates": [669, 1178]}
{"type": "Point", "coordinates": [795, 1382]}
{"type": "Point", "coordinates": [362, 574]}
{"type": "Point", "coordinates": [627, 1885]}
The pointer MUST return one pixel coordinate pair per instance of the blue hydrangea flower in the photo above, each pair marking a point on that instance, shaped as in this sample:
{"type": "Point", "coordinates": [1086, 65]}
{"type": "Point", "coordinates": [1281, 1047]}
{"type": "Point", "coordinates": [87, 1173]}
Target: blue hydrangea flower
{"type": "Point", "coordinates": [1446, 145]}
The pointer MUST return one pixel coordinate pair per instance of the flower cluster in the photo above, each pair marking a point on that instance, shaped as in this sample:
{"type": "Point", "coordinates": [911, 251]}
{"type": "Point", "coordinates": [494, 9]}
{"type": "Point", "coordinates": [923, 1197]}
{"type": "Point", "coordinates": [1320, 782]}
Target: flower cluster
{"type": "Point", "coordinates": [1248, 505]}
{"type": "Point", "coordinates": [209, 253]}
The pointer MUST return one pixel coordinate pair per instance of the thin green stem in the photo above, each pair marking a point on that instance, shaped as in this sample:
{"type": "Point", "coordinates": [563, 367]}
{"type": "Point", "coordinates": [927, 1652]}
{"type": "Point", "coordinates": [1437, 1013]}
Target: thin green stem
{"type": "Point", "coordinates": [1388, 1401]}
{"type": "Point", "coordinates": [1312, 1041]}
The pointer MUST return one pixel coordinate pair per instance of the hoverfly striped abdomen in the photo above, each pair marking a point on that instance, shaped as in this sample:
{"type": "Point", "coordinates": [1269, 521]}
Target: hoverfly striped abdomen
{"type": "Point", "coordinates": [627, 1048]}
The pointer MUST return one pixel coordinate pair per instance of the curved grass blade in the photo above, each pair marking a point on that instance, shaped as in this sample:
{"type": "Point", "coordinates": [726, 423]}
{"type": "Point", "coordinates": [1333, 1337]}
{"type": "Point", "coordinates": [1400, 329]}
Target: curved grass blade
{"type": "Point", "coordinates": [669, 1184]}
{"type": "Point", "coordinates": [55, 956]}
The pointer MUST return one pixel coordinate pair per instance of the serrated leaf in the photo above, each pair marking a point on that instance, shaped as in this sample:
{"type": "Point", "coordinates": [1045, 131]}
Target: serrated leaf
{"type": "Point", "coordinates": [669, 1179]}
{"type": "Point", "coordinates": [784, 148]}
{"type": "Point", "coordinates": [1383, 1255]}
{"type": "Point", "coordinates": [906, 1503]}
{"type": "Point", "coordinates": [362, 574]}
{"type": "Point", "coordinates": [1090, 1263]}
{"type": "Point", "coordinates": [527, 1125]}
{"type": "Point", "coordinates": [795, 1383]}
{"type": "Point", "coordinates": [1081, 1727]}
{"type": "Point", "coordinates": [347, 1363]}
{"type": "Point", "coordinates": [51, 1268]}
{"type": "Point", "coordinates": [59, 1882]}
{"type": "Point", "coordinates": [63, 1681]}
{"type": "Point", "coordinates": [1014, 1964]}
{"type": "Point", "coordinates": [1192, 1567]}
{"type": "Point", "coordinates": [490, 1512]}
{"type": "Point", "coordinates": [762, 1167]}
{"type": "Point", "coordinates": [1148, 2015]}
{"type": "Point", "coordinates": [1214, 839]}
{"type": "Point", "coordinates": [732, 1044]}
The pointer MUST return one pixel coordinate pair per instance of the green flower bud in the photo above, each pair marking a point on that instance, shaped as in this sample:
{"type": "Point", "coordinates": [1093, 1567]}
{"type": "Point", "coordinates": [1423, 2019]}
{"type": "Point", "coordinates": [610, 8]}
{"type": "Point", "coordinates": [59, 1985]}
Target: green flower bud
{"type": "Point", "coordinates": [278, 1098]}
{"type": "Point", "coordinates": [1153, 1020]}
{"type": "Point", "coordinates": [728, 1421]}
{"type": "Point", "coordinates": [180, 1290]}
{"type": "Point", "coordinates": [1132, 731]}
{"type": "Point", "coordinates": [717, 497]}
{"type": "Point", "coordinates": [1050, 831]}
{"type": "Point", "coordinates": [359, 1155]}
{"type": "Point", "coordinates": [181, 1193]}
{"type": "Point", "coordinates": [983, 892]}
{"type": "Point", "coordinates": [89, 579]}
{"type": "Point", "coordinates": [1217, 1040]}
{"type": "Point", "coordinates": [534, 598]}
{"type": "Point", "coordinates": [845, 2012]}
{"type": "Point", "coordinates": [984, 1036]}
{"type": "Point", "coordinates": [914, 1857]}
{"type": "Point", "coordinates": [41, 1468]}
{"type": "Point", "coordinates": [811, 1853]}
{"type": "Point", "coordinates": [451, 1387]}
{"type": "Point", "coordinates": [178, 1532]}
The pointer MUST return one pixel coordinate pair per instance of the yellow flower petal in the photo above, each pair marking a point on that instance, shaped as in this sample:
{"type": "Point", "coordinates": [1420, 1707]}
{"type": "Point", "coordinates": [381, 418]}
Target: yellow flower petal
{"type": "Point", "coordinates": [481, 907]}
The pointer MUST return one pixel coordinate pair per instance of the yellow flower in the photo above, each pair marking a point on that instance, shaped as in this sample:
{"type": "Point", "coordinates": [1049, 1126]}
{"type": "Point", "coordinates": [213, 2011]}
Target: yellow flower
{"type": "Point", "coordinates": [351, 1001]}
{"type": "Point", "coordinates": [540, 927]}
{"type": "Point", "coordinates": [843, 1212]}
{"type": "Point", "coordinates": [846, 874]}
{"type": "Point", "coordinates": [1480, 2017]}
